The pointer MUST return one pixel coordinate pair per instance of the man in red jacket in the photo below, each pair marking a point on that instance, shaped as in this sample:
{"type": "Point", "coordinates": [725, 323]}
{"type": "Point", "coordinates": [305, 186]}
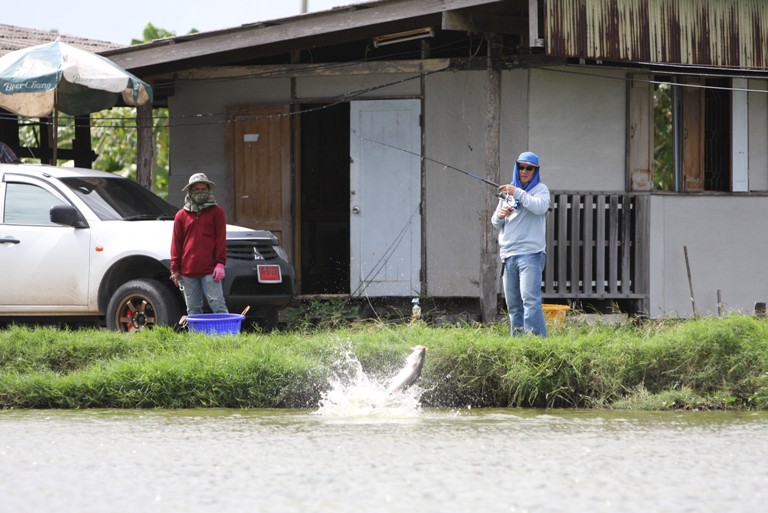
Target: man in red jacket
{"type": "Point", "coordinates": [199, 247]}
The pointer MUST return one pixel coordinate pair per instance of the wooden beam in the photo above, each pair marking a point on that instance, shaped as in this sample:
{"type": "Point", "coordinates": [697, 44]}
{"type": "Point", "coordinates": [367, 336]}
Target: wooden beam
{"type": "Point", "coordinates": [489, 264]}
{"type": "Point", "coordinates": [412, 66]}
{"type": "Point", "coordinates": [301, 70]}
{"type": "Point", "coordinates": [145, 154]}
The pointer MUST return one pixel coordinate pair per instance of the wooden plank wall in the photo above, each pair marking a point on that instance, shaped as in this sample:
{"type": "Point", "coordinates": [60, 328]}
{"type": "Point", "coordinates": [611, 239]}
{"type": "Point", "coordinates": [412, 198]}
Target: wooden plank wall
{"type": "Point", "coordinates": [597, 246]}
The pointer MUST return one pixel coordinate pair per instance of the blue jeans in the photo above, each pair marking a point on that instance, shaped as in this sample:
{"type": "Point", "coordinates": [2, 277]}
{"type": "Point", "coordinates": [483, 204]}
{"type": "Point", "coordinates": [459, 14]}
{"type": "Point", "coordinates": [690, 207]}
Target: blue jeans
{"type": "Point", "coordinates": [522, 290]}
{"type": "Point", "coordinates": [203, 287]}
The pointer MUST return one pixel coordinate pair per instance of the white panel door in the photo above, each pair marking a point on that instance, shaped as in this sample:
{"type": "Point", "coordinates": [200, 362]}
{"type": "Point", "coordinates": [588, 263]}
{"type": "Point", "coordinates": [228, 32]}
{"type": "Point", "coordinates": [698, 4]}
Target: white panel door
{"type": "Point", "coordinates": [385, 197]}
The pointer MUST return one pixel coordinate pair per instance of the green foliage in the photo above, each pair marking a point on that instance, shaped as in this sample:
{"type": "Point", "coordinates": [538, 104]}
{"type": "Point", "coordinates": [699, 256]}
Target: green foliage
{"type": "Point", "coordinates": [114, 135]}
{"type": "Point", "coordinates": [706, 363]}
{"type": "Point", "coordinates": [320, 315]}
{"type": "Point", "coordinates": [151, 33]}
{"type": "Point", "coordinates": [663, 138]}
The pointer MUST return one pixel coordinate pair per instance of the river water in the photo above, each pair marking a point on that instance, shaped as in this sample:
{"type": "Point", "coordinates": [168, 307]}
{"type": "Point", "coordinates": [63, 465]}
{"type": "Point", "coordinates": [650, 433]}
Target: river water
{"type": "Point", "coordinates": [387, 459]}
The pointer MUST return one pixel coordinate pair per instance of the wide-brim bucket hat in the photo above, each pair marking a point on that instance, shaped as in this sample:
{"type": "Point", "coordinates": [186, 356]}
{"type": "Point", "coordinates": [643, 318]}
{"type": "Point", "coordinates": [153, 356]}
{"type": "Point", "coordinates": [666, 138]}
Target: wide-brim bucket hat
{"type": "Point", "coordinates": [199, 178]}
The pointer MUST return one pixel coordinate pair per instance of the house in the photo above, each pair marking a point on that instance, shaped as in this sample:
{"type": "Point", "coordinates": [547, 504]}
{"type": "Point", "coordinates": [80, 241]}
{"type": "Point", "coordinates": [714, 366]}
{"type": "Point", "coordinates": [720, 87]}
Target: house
{"type": "Point", "coordinates": [357, 135]}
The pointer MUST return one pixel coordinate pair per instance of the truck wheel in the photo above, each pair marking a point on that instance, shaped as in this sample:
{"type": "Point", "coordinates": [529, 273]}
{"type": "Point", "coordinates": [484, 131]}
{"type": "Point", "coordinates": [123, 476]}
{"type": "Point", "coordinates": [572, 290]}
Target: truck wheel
{"type": "Point", "coordinates": [140, 304]}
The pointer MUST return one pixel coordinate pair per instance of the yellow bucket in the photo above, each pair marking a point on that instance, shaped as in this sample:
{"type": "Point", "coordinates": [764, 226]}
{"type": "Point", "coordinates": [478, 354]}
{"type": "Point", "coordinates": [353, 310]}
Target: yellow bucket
{"type": "Point", "coordinates": [555, 314]}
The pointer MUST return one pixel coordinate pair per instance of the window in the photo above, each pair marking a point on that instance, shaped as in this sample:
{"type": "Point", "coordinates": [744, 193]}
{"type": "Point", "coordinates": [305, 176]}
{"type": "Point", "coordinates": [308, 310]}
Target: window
{"type": "Point", "coordinates": [692, 148]}
{"type": "Point", "coordinates": [690, 138]}
{"type": "Point", "coordinates": [28, 204]}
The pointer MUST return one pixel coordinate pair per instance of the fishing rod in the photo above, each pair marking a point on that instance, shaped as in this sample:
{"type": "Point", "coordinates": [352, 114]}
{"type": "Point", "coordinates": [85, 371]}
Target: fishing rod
{"type": "Point", "coordinates": [500, 194]}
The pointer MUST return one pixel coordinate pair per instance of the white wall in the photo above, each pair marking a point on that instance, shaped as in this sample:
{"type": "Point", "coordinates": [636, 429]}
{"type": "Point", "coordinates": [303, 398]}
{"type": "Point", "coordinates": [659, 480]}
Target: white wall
{"type": "Point", "coordinates": [727, 250]}
{"type": "Point", "coordinates": [455, 107]}
{"type": "Point", "coordinates": [577, 127]}
{"type": "Point", "coordinates": [454, 110]}
{"type": "Point", "coordinates": [456, 117]}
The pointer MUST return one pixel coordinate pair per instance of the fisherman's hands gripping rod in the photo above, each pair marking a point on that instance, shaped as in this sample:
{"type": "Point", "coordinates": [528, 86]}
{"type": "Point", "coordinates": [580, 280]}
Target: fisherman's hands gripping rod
{"type": "Point", "coordinates": [508, 197]}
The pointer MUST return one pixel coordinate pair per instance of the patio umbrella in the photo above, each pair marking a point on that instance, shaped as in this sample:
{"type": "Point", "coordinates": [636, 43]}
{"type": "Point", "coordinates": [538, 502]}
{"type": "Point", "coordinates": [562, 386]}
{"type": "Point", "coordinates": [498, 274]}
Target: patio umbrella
{"type": "Point", "coordinates": [56, 77]}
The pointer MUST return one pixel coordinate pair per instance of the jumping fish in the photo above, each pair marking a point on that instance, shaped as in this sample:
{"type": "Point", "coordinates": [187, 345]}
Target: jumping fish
{"type": "Point", "coordinates": [410, 372]}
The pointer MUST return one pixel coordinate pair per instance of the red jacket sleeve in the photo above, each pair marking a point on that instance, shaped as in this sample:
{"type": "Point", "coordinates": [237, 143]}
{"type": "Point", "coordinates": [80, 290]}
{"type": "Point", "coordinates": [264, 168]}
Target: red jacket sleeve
{"type": "Point", "coordinates": [221, 236]}
{"type": "Point", "coordinates": [177, 242]}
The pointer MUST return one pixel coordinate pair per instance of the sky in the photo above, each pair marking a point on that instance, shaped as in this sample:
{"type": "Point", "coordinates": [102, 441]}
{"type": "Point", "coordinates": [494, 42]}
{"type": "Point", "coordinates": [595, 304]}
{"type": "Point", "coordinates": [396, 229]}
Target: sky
{"type": "Point", "coordinates": [120, 22]}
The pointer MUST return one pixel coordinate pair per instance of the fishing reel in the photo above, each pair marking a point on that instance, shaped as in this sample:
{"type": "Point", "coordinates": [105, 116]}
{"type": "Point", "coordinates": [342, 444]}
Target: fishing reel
{"type": "Point", "coordinates": [507, 197]}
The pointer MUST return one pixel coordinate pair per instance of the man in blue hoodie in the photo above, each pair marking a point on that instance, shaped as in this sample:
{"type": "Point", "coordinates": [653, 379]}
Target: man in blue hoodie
{"type": "Point", "coordinates": [521, 220]}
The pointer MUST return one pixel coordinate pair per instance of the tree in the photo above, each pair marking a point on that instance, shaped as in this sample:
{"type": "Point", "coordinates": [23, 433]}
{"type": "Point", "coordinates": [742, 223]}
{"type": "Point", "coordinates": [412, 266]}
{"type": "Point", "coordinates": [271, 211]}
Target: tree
{"type": "Point", "coordinates": [151, 33]}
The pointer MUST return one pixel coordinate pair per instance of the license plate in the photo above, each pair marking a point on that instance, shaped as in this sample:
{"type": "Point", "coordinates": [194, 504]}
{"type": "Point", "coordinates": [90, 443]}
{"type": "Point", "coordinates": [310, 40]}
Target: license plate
{"type": "Point", "coordinates": [269, 274]}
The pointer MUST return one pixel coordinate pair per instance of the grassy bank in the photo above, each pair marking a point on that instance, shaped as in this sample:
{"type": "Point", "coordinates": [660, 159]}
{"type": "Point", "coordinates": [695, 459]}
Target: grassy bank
{"type": "Point", "coordinates": [706, 363]}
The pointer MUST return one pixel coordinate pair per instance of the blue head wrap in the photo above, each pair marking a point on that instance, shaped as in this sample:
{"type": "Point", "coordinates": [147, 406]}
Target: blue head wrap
{"type": "Point", "coordinates": [531, 158]}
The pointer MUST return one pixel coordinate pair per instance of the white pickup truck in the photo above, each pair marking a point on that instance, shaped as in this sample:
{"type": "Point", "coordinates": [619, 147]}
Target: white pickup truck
{"type": "Point", "coordinates": [83, 244]}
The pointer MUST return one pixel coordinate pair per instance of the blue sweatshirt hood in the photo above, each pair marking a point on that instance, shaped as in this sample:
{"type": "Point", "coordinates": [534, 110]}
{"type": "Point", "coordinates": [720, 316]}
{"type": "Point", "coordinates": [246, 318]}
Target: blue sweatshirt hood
{"type": "Point", "coordinates": [532, 158]}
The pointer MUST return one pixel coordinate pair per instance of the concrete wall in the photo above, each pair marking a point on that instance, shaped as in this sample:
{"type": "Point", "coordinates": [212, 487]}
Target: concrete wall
{"type": "Point", "coordinates": [456, 114]}
{"type": "Point", "coordinates": [454, 109]}
{"type": "Point", "coordinates": [727, 250]}
{"type": "Point", "coordinates": [577, 123]}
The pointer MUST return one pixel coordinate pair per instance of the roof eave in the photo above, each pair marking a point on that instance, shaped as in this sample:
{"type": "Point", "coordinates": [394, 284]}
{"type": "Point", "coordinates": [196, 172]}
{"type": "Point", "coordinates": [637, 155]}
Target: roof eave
{"type": "Point", "coordinates": [280, 36]}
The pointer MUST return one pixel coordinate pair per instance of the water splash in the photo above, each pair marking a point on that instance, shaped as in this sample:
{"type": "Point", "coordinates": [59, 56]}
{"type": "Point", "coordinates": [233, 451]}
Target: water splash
{"type": "Point", "coordinates": [353, 393]}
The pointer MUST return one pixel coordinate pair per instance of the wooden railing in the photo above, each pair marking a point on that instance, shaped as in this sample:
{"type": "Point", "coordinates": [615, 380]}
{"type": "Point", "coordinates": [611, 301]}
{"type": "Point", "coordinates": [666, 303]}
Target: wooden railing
{"type": "Point", "coordinates": [597, 246]}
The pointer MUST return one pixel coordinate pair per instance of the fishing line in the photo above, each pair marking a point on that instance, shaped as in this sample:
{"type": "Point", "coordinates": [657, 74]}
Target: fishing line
{"type": "Point", "coordinates": [499, 194]}
{"type": "Point", "coordinates": [384, 259]}
{"type": "Point", "coordinates": [445, 166]}
{"type": "Point", "coordinates": [365, 281]}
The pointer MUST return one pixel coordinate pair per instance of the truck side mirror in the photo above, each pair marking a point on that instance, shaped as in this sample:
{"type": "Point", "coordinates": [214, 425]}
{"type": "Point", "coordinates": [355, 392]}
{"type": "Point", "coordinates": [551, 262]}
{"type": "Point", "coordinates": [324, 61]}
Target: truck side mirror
{"type": "Point", "coordinates": [67, 215]}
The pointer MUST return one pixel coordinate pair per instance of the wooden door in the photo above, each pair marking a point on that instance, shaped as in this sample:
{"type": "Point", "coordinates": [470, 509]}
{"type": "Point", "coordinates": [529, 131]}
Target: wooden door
{"type": "Point", "coordinates": [259, 146]}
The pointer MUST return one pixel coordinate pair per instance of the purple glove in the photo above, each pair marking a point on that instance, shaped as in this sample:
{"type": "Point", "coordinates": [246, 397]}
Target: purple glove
{"type": "Point", "coordinates": [218, 272]}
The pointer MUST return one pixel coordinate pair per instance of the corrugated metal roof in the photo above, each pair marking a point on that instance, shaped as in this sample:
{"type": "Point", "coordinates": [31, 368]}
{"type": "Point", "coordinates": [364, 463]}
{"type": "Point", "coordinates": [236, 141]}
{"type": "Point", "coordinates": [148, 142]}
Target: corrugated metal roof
{"type": "Point", "coordinates": [729, 33]}
{"type": "Point", "coordinates": [14, 38]}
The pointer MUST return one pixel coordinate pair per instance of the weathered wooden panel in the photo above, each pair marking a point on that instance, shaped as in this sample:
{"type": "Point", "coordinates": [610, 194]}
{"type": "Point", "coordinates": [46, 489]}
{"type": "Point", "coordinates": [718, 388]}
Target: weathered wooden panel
{"type": "Point", "coordinates": [730, 33]}
{"type": "Point", "coordinates": [596, 247]}
{"type": "Point", "coordinates": [640, 132]}
{"type": "Point", "coordinates": [693, 134]}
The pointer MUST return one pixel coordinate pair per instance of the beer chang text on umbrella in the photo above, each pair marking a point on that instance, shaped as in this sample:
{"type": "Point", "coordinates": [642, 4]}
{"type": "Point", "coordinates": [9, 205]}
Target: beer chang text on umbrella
{"type": "Point", "coordinates": [36, 80]}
